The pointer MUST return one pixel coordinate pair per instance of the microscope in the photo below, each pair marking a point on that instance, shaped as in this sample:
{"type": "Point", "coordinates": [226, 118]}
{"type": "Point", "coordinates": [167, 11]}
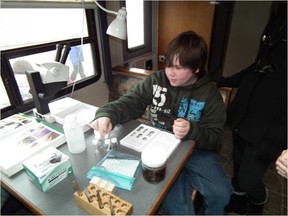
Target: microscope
{"type": "Point", "coordinates": [48, 81]}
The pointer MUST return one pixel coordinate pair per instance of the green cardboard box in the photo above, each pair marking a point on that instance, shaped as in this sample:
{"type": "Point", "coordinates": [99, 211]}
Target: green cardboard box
{"type": "Point", "coordinates": [48, 168]}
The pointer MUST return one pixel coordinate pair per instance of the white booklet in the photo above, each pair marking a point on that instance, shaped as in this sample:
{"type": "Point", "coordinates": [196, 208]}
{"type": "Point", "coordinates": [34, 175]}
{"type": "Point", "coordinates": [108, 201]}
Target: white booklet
{"type": "Point", "coordinates": [22, 137]}
{"type": "Point", "coordinates": [12, 124]}
{"type": "Point", "coordinates": [144, 136]}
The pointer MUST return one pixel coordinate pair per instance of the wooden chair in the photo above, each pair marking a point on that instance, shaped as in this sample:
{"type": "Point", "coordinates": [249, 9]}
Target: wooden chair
{"type": "Point", "coordinates": [226, 93]}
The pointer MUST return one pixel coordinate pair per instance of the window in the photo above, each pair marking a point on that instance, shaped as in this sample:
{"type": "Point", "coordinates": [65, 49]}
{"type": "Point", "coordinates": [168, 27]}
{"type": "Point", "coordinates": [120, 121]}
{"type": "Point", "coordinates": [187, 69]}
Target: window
{"type": "Point", "coordinates": [135, 23]}
{"type": "Point", "coordinates": [3, 96]}
{"type": "Point", "coordinates": [139, 16]}
{"type": "Point", "coordinates": [28, 40]}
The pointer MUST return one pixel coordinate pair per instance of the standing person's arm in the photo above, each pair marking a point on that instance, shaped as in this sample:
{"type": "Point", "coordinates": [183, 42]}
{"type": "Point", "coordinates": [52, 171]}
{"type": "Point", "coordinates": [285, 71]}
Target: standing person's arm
{"type": "Point", "coordinates": [234, 80]}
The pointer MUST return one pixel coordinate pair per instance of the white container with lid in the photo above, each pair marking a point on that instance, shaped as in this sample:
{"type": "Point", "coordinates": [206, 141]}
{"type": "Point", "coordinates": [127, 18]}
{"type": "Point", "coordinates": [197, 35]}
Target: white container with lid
{"type": "Point", "coordinates": [153, 164]}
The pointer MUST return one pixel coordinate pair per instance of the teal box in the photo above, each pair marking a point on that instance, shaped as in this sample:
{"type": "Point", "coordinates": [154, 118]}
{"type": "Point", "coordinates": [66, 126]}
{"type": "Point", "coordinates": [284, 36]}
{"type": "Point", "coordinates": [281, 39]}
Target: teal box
{"type": "Point", "coordinates": [48, 168]}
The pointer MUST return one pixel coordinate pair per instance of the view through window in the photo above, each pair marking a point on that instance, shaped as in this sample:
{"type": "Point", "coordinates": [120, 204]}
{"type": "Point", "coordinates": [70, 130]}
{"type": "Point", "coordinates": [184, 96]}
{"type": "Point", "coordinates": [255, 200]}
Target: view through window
{"type": "Point", "coordinates": [28, 40]}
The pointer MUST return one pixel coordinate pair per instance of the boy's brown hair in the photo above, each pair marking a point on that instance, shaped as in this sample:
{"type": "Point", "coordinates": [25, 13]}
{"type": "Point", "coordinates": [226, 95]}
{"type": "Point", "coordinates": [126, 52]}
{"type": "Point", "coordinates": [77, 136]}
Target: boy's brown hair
{"type": "Point", "coordinates": [190, 48]}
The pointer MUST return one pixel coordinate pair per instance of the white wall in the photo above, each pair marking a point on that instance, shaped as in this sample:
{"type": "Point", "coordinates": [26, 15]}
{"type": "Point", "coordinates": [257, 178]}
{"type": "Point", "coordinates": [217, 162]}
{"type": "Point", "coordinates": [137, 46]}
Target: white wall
{"type": "Point", "coordinates": [248, 22]}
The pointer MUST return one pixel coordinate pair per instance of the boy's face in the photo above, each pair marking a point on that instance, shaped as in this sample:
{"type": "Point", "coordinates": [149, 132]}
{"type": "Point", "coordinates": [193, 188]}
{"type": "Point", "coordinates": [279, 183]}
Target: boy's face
{"type": "Point", "coordinates": [179, 75]}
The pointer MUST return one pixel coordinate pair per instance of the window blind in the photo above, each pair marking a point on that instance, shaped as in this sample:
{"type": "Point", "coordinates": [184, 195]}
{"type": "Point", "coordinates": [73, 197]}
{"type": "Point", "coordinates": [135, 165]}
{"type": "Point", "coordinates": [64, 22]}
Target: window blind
{"type": "Point", "coordinates": [88, 4]}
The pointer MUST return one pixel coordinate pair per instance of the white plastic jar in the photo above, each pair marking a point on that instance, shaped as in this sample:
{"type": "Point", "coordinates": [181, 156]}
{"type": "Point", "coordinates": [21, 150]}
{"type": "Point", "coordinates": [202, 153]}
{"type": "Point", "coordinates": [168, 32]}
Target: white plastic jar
{"type": "Point", "coordinates": [153, 164]}
{"type": "Point", "coordinates": [74, 134]}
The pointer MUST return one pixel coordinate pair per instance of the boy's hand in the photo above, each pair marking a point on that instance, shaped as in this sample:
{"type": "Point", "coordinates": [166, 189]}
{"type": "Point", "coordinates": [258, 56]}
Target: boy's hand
{"type": "Point", "coordinates": [103, 125]}
{"type": "Point", "coordinates": [181, 127]}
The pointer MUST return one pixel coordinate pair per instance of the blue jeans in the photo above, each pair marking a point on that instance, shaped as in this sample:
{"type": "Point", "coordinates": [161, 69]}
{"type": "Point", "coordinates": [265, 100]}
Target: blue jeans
{"type": "Point", "coordinates": [203, 172]}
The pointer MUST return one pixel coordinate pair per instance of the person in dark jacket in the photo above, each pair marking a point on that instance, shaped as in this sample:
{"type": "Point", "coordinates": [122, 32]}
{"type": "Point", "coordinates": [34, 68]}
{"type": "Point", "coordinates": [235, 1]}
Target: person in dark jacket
{"type": "Point", "coordinates": [183, 100]}
{"type": "Point", "coordinates": [258, 115]}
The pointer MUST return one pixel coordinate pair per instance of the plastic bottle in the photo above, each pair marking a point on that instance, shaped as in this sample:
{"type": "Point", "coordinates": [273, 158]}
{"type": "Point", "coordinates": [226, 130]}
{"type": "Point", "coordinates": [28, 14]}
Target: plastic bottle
{"type": "Point", "coordinates": [74, 134]}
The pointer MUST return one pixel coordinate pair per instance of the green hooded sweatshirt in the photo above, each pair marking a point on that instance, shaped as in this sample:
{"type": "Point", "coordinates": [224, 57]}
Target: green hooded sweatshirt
{"type": "Point", "coordinates": [200, 103]}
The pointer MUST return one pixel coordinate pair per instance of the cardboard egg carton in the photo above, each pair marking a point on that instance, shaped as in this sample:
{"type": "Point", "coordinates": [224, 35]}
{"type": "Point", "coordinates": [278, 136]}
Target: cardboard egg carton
{"type": "Point", "coordinates": [98, 201]}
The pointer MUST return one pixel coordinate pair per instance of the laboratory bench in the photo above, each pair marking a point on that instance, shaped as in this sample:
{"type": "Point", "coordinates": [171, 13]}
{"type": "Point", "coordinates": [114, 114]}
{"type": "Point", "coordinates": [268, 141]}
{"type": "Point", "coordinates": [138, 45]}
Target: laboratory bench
{"type": "Point", "coordinates": [145, 197]}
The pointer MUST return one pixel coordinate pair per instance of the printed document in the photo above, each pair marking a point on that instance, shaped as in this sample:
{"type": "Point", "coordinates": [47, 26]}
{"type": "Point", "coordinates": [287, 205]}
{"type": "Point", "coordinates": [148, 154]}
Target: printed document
{"type": "Point", "coordinates": [144, 136]}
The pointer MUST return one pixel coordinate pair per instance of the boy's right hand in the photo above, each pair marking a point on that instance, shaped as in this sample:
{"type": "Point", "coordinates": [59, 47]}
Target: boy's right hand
{"type": "Point", "coordinates": [103, 125]}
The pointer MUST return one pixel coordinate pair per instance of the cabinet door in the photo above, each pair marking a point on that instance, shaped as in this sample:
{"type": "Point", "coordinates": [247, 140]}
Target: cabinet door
{"type": "Point", "coordinates": [178, 16]}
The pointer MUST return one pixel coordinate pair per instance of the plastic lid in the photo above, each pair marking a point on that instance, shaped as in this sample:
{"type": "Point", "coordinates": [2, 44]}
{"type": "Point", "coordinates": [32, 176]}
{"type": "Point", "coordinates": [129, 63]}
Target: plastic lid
{"type": "Point", "coordinates": [70, 118]}
{"type": "Point", "coordinates": [107, 141]}
{"type": "Point", "coordinates": [114, 140]}
{"type": "Point", "coordinates": [153, 157]}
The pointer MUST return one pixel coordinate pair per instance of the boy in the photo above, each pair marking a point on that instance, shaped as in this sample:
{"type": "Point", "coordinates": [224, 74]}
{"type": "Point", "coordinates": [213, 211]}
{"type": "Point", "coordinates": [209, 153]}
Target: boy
{"type": "Point", "coordinates": [182, 99]}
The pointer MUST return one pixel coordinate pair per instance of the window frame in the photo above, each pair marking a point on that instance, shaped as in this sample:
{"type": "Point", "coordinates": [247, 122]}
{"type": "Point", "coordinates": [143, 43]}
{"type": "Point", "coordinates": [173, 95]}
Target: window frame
{"type": "Point", "coordinates": [16, 102]}
{"type": "Point", "coordinates": [129, 54]}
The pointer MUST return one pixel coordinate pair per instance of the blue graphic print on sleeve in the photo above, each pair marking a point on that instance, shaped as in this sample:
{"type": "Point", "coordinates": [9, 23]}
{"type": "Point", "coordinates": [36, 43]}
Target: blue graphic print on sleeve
{"type": "Point", "coordinates": [191, 110]}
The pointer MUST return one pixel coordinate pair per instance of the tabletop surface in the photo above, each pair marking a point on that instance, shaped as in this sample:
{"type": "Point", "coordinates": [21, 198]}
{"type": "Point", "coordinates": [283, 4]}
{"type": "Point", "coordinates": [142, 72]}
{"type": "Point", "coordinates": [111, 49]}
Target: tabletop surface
{"type": "Point", "coordinates": [144, 196]}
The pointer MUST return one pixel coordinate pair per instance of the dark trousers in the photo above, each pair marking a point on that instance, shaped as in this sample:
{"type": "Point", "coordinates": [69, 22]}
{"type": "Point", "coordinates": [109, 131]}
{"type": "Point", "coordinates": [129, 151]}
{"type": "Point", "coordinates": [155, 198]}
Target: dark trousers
{"type": "Point", "coordinates": [248, 170]}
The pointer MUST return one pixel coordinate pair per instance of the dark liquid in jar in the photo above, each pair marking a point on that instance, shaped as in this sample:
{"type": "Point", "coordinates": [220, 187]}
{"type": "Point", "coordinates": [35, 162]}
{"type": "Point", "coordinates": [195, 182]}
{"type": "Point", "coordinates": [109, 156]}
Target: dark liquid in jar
{"type": "Point", "coordinates": [153, 175]}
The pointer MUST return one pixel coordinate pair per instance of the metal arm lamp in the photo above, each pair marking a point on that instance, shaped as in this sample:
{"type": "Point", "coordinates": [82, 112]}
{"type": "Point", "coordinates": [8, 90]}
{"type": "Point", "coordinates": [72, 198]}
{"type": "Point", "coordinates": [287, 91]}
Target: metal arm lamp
{"type": "Point", "coordinates": [117, 28]}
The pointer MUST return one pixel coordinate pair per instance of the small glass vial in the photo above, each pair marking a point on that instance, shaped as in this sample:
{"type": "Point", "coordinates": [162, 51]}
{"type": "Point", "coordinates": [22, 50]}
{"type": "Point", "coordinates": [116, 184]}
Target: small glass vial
{"type": "Point", "coordinates": [114, 143]}
{"type": "Point", "coordinates": [74, 134]}
{"type": "Point", "coordinates": [96, 140]}
{"type": "Point", "coordinates": [107, 144]}
{"type": "Point", "coordinates": [153, 164]}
